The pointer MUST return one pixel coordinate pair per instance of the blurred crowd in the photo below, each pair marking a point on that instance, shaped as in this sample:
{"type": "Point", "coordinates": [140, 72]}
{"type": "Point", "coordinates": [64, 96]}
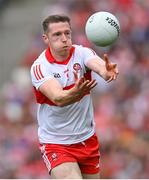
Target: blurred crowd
{"type": "Point", "coordinates": [121, 107]}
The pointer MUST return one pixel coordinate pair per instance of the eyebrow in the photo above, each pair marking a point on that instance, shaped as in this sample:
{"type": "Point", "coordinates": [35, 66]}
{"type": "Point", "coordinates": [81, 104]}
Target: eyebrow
{"type": "Point", "coordinates": [59, 32]}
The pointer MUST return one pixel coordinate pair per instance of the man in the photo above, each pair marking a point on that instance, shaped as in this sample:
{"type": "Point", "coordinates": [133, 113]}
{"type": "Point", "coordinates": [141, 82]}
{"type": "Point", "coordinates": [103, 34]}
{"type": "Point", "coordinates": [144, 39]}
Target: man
{"type": "Point", "coordinates": [61, 77]}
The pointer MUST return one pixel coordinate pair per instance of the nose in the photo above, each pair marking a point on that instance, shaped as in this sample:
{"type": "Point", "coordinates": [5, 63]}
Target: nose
{"type": "Point", "coordinates": [64, 38]}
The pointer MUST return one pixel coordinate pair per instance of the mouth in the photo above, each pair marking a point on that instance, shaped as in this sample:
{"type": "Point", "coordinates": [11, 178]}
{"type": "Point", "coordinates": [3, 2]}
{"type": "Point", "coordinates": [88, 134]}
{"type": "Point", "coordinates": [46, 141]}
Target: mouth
{"type": "Point", "coordinates": [65, 47]}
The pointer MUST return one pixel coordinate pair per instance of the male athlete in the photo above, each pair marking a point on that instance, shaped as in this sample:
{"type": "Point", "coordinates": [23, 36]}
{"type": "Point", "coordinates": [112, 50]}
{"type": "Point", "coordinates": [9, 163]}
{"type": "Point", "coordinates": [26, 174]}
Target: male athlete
{"type": "Point", "coordinates": [61, 77]}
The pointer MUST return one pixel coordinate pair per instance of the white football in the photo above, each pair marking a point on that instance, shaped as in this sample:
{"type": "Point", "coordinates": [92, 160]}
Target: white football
{"type": "Point", "coordinates": [102, 28]}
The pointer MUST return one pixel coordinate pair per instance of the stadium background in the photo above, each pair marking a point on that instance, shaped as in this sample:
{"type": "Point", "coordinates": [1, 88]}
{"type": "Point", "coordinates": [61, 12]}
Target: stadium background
{"type": "Point", "coordinates": [121, 107]}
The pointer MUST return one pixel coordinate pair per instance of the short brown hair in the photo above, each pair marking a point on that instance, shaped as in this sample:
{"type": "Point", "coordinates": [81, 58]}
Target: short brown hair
{"type": "Point", "coordinates": [54, 19]}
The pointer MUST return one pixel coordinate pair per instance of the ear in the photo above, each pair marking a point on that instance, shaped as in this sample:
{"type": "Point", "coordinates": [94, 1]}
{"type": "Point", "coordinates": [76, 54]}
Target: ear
{"type": "Point", "coordinates": [45, 38]}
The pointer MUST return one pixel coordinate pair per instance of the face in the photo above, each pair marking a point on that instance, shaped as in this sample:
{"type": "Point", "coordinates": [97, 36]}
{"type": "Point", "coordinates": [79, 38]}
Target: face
{"type": "Point", "coordinates": [58, 38]}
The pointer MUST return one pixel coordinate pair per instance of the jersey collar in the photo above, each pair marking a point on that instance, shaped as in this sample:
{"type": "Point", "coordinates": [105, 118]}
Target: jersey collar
{"type": "Point", "coordinates": [51, 59]}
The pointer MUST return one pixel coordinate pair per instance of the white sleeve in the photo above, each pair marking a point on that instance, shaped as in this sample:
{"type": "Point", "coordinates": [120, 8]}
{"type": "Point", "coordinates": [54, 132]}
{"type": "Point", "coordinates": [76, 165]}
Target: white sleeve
{"type": "Point", "coordinates": [39, 74]}
{"type": "Point", "coordinates": [88, 54]}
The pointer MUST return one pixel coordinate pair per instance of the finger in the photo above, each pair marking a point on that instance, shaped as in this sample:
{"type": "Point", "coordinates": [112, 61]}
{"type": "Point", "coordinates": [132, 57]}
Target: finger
{"type": "Point", "coordinates": [81, 81]}
{"type": "Point", "coordinates": [115, 76]}
{"type": "Point", "coordinates": [116, 71]}
{"type": "Point", "coordinates": [75, 75]}
{"type": "Point", "coordinates": [90, 85]}
{"type": "Point", "coordinates": [110, 79]}
{"type": "Point", "coordinates": [111, 66]}
{"type": "Point", "coordinates": [91, 82]}
{"type": "Point", "coordinates": [93, 85]}
{"type": "Point", "coordinates": [106, 59]}
{"type": "Point", "coordinates": [114, 66]}
{"type": "Point", "coordinates": [84, 84]}
{"type": "Point", "coordinates": [90, 88]}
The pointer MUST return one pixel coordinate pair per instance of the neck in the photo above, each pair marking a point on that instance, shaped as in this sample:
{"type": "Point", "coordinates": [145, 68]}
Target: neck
{"type": "Point", "coordinates": [62, 56]}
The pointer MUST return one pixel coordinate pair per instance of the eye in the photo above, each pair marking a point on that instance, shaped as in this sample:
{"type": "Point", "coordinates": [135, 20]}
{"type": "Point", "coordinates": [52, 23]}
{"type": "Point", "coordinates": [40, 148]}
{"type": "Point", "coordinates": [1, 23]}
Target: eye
{"type": "Point", "coordinates": [57, 34]}
{"type": "Point", "coordinates": [68, 33]}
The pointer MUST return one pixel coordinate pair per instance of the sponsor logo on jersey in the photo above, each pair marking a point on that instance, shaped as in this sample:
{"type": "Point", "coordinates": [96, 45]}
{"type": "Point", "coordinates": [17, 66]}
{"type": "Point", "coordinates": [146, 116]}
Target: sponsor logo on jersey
{"type": "Point", "coordinates": [77, 67]}
{"type": "Point", "coordinates": [56, 75]}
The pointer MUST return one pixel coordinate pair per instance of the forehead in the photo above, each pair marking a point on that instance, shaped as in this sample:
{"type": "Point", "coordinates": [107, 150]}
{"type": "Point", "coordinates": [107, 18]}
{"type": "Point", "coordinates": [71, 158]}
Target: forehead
{"type": "Point", "coordinates": [60, 26]}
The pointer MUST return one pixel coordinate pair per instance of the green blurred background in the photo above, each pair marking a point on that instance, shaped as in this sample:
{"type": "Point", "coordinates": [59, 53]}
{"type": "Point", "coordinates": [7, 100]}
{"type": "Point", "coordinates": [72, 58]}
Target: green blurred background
{"type": "Point", "coordinates": [121, 107]}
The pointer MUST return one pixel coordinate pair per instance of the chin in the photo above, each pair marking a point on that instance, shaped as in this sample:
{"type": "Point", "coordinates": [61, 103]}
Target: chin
{"type": "Point", "coordinates": [65, 52]}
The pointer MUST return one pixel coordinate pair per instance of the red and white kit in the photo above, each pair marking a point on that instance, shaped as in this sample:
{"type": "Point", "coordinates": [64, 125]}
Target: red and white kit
{"type": "Point", "coordinates": [66, 134]}
{"type": "Point", "coordinates": [72, 123]}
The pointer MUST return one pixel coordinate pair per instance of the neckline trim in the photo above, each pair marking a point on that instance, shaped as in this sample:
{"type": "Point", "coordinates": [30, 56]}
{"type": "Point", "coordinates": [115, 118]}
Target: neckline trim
{"type": "Point", "coordinates": [51, 59]}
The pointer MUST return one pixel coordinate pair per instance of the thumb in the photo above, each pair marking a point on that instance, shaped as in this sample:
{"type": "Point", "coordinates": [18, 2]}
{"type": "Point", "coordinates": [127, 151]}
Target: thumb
{"type": "Point", "coordinates": [106, 59]}
{"type": "Point", "coordinates": [114, 66]}
{"type": "Point", "coordinates": [75, 75]}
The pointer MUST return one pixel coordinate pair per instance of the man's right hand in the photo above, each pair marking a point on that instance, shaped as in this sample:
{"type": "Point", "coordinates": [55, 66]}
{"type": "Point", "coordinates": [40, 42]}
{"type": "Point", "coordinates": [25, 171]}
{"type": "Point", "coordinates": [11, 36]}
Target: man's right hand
{"type": "Point", "coordinates": [83, 86]}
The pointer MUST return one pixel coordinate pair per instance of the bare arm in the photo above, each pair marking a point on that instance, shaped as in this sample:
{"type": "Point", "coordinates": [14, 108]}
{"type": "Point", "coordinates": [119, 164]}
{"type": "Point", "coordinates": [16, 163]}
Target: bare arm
{"type": "Point", "coordinates": [104, 68]}
{"type": "Point", "coordinates": [54, 91]}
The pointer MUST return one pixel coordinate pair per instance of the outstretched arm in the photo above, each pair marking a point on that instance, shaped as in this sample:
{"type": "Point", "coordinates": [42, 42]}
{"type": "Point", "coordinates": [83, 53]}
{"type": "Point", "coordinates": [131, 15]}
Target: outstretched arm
{"type": "Point", "coordinates": [103, 67]}
{"type": "Point", "coordinates": [54, 91]}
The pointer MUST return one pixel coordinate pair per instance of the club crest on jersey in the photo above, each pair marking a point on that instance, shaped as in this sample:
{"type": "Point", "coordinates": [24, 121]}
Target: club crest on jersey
{"type": "Point", "coordinates": [77, 67]}
{"type": "Point", "coordinates": [54, 156]}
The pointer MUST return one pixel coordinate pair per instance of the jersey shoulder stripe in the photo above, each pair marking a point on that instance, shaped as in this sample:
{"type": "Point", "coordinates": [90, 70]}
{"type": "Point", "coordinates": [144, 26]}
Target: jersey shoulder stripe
{"type": "Point", "coordinates": [40, 71]}
{"type": "Point", "coordinates": [37, 72]}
